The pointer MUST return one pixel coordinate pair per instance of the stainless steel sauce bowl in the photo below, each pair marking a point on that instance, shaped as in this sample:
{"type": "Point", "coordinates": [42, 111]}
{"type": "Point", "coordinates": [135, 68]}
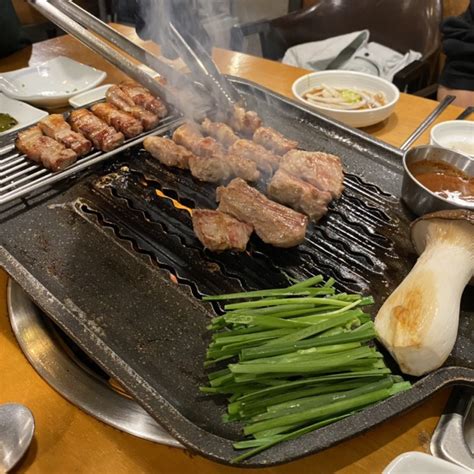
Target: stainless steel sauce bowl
{"type": "Point", "coordinates": [418, 197]}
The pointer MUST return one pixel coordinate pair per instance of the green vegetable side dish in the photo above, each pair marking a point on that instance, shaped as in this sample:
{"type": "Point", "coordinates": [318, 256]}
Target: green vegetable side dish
{"type": "Point", "coordinates": [295, 359]}
{"type": "Point", "coordinates": [7, 122]}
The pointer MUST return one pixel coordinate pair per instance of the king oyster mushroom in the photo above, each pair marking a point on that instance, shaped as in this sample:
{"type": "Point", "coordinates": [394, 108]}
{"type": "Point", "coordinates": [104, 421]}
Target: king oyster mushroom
{"type": "Point", "coordinates": [419, 321]}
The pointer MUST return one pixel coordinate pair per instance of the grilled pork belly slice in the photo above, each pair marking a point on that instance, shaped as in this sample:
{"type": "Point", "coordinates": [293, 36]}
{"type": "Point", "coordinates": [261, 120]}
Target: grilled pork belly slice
{"type": "Point", "coordinates": [220, 131]}
{"type": "Point", "coordinates": [243, 121]}
{"type": "Point", "coordinates": [120, 120]}
{"type": "Point", "coordinates": [274, 224]}
{"type": "Point", "coordinates": [143, 97]}
{"type": "Point", "coordinates": [243, 168]}
{"type": "Point", "coordinates": [54, 126]}
{"type": "Point", "coordinates": [187, 135]}
{"type": "Point", "coordinates": [103, 137]}
{"type": "Point", "coordinates": [322, 170]}
{"type": "Point", "coordinates": [168, 152]}
{"type": "Point", "coordinates": [273, 140]}
{"type": "Point", "coordinates": [266, 161]}
{"type": "Point", "coordinates": [212, 169]}
{"type": "Point", "coordinates": [123, 101]}
{"type": "Point", "coordinates": [300, 196]}
{"type": "Point", "coordinates": [44, 150]}
{"type": "Point", "coordinates": [218, 231]}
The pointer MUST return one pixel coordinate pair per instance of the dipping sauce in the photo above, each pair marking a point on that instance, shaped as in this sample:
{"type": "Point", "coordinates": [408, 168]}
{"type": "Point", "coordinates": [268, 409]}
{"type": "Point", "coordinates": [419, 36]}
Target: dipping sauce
{"type": "Point", "coordinates": [6, 122]}
{"type": "Point", "coordinates": [445, 180]}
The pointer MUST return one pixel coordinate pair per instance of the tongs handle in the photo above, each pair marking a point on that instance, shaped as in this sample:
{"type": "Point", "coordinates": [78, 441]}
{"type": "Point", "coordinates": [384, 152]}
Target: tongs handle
{"type": "Point", "coordinates": [203, 67]}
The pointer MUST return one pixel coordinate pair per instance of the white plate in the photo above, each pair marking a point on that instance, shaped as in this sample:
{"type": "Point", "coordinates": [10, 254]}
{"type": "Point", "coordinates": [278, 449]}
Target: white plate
{"type": "Point", "coordinates": [338, 78]}
{"type": "Point", "coordinates": [23, 113]}
{"type": "Point", "coordinates": [415, 462]}
{"type": "Point", "coordinates": [89, 97]}
{"type": "Point", "coordinates": [52, 83]}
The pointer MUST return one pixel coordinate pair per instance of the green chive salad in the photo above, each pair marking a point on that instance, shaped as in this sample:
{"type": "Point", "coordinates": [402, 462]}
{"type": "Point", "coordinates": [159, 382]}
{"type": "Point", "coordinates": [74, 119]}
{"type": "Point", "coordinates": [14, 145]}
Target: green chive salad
{"type": "Point", "coordinates": [294, 359]}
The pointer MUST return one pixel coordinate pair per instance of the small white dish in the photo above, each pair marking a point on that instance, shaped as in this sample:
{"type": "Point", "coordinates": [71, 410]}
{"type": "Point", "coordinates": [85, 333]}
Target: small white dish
{"type": "Point", "coordinates": [415, 462]}
{"type": "Point", "coordinates": [349, 79]}
{"type": "Point", "coordinates": [457, 135]}
{"type": "Point", "coordinates": [52, 83]}
{"type": "Point", "coordinates": [89, 97]}
{"type": "Point", "coordinates": [23, 113]}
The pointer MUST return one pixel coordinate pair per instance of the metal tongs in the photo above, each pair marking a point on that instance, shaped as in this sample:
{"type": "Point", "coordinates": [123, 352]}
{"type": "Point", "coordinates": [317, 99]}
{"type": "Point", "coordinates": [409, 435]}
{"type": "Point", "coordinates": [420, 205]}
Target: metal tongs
{"type": "Point", "coordinates": [205, 88]}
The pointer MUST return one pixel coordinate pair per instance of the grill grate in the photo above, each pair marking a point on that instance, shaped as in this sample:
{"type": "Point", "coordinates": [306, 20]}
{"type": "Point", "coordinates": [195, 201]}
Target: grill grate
{"type": "Point", "coordinates": [146, 203]}
{"type": "Point", "coordinates": [20, 176]}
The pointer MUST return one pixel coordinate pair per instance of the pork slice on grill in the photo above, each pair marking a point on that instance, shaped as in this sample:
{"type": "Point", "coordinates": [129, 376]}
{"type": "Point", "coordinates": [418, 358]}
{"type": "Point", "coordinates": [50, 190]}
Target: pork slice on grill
{"type": "Point", "coordinates": [274, 224]}
{"type": "Point", "coordinates": [54, 126]}
{"type": "Point", "coordinates": [44, 150]}
{"type": "Point", "coordinates": [244, 121]}
{"type": "Point", "coordinates": [212, 169]}
{"type": "Point", "coordinates": [243, 168]}
{"type": "Point", "coordinates": [220, 131]}
{"type": "Point", "coordinates": [265, 160]}
{"type": "Point", "coordinates": [218, 231]}
{"type": "Point", "coordinates": [143, 97]}
{"type": "Point", "coordinates": [273, 140]}
{"type": "Point", "coordinates": [120, 120]}
{"type": "Point", "coordinates": [322, 170]}
{"type": "Point", "coordinates": [299, 195]}
{"type": "Point", "coordinates": [168, 152]}
{"type": "Point", "coordinates": [212, 163]}
{"type": "Point", "coordinates": [103, 137]}
{"type": "Point", "coordinates": [188, 135]}
{"type": "Point", "coordinates": [123, 101]}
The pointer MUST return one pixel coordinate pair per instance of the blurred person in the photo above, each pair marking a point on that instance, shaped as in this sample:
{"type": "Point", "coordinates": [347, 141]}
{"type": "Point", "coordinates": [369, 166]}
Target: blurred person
{"type": "Point", "coordinates": [11, 34]}
{"type": "Point", "coordinates": [457, 77]}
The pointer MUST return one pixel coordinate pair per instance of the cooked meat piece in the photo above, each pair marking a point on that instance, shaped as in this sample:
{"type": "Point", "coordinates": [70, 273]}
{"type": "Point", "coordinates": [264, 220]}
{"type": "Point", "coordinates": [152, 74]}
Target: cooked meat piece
{"type": "Point", "coordinates": [273, 140]}
{"type": "Point", "coordinates": [212, 169]}
{"type": "Point", "coordinates": [103, 137]}
{"type": "Point", "coordinates": [208, 147]}
{"type": "Point", "coordinates": [143, 97]}
{"type": "Point", "coordinates": [218, 231]}
{"type": "Point", "coordinates": [44, 150]}
{"type": "Point", "coordinates": [317, 168]}
{"type": "Point", "coordinates": [274, 224]}
{"type": "Point", "coordinates": [266, 161]}
{"type": "Point", "coordinates": [300, 196]}
{"type": "Point", "coordinates": [120, 120]}
{"type": "Point", "coordinates": [123, 101]}
{"type": "Point", "coordinates": [245, 122]}
{"type": "Point", "coordinates": [168, 152]}
{"type": "Point", "coordinates": [220, 131]}
{"type": "Point", "coordinates": [54, 126]}
{"type": "Point", "coordinates": [187, 135]}
{"type": "Point", "coordinates": [243, 168]}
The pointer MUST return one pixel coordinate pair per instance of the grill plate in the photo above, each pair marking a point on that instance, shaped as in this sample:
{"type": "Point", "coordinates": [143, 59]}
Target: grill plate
{"type": "Point", "coordinates": [119, 269]}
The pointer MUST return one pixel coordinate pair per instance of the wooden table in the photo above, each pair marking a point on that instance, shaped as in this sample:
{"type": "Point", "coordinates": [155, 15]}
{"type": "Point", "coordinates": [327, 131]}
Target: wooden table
{"type": "Point", "coordinates": [69, 441]}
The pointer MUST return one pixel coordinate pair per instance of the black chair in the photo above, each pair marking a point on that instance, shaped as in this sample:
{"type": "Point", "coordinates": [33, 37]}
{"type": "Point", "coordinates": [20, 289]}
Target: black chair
{"type": "Point", "coordinates": [399, 24]}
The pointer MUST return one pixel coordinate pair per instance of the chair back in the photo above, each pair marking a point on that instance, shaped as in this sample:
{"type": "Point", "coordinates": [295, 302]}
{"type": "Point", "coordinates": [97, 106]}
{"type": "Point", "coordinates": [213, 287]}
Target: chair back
{"type": "Point", "coordinates": [399, 24]}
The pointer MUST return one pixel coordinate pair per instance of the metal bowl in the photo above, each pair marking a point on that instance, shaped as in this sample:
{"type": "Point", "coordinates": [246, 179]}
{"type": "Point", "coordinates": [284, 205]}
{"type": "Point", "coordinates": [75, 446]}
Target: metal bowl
{"type": "Point", "coordinates": [418, 197]}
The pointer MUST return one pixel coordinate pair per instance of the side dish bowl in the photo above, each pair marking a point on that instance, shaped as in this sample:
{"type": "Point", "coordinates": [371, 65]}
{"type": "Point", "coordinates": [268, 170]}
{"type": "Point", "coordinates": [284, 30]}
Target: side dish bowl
{"type": "Point", "coordinates": [456, 135]}
{"type": "Point", "coordinates": [418, 197]}
{"type": "Point", "coordinates": [349, 79]}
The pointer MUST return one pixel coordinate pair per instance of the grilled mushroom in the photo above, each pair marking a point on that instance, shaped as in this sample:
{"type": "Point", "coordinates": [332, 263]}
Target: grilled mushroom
{"type": "Point", "coordinates": [418, 323]}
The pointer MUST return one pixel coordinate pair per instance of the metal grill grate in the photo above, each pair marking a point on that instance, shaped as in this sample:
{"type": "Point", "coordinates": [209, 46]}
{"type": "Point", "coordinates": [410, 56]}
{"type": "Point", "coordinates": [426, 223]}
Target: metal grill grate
{"type": "Point", "coordinates": [20, 176]}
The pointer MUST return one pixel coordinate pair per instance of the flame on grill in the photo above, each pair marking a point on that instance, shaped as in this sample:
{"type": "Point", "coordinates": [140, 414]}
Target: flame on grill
{"type": "Point", "coordinates": [176, 203]}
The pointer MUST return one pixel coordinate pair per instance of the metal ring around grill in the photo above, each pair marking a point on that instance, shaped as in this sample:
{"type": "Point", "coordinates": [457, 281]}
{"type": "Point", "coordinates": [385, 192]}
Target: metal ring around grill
{"type": "Point", "coordinates": [91, 394]}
